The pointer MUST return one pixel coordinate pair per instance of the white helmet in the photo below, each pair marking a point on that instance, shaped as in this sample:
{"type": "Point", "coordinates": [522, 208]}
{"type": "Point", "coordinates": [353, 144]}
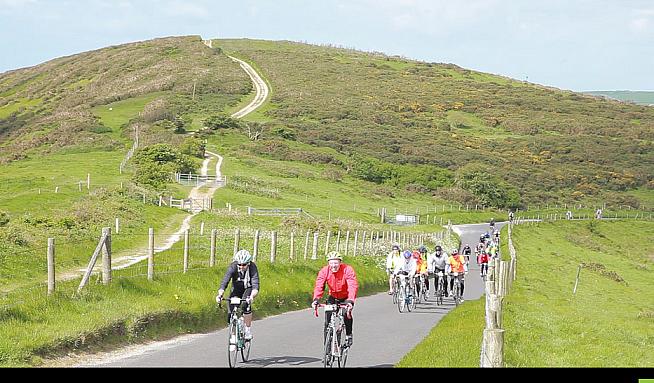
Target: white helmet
{"type": "Point", "coordinates": [242, 257]}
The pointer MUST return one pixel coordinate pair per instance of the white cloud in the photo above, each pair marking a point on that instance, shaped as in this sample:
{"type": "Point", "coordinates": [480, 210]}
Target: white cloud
{"type": "Point", "coordinates": [642, 20]}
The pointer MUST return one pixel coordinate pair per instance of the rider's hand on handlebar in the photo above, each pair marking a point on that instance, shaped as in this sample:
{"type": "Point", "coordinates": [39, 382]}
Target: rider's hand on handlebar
{"type": "Point", "coordinates": [314, 304]}
{"type": "Point", "coordinates": [219, 298]}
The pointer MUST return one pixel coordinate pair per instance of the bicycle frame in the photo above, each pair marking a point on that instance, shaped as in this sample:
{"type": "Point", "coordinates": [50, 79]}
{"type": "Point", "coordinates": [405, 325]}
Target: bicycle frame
{"type": "Point", "coordinates": [336, 349]}
{"type": "Point", "coordinates": [237, 344]}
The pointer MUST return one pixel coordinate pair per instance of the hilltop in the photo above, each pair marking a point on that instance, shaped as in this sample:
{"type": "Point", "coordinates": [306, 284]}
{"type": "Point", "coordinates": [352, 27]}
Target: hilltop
{"type": "Point", "coordinates": [414, 126]}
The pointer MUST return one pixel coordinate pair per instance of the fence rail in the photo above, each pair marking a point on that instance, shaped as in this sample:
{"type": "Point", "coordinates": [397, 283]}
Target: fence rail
{"type": "Point", "coordinates": [190, 179]}
{"type": "Point", "coordinates": [274, 211]}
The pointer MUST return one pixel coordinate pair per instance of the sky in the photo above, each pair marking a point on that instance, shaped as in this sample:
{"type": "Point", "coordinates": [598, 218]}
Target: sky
{"type": "Point", "coordinates": [578, 45]}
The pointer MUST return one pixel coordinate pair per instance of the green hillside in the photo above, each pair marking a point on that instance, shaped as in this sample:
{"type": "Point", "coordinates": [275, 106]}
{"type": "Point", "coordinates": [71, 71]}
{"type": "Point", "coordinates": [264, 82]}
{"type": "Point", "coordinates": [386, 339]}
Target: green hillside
{"type": "Point", "coordinates": [550, 145]}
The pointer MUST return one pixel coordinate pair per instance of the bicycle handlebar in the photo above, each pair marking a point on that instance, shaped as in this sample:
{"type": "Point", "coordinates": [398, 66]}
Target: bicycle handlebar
{"type": "Point", "coordinates": [340, 306]}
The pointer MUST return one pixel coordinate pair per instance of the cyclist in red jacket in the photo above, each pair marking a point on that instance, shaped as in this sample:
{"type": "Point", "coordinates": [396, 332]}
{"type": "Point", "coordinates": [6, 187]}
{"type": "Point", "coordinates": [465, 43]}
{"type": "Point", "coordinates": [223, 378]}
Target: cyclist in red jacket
{"type": "Point", "coordinates": [343, 287]}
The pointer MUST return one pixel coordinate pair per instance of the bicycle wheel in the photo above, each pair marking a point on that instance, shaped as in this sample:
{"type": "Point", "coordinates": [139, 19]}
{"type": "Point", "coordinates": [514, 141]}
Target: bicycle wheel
{"type": "Point", "coordinates": [401, 300]}
{"type": "Point", "coordinates": [456, 293]}
{"type": "Point", "coordinates": [396, 288]}
{"type": "Point", "coordinates": [232, 344]}
{"type": "Point", "coordinates": [415, 298]}
{"type": "Point", "coordinates": [344, 349]}
{"type": "Point", "coordinates": [410, 299]}
{"type": "Point", "coordinates": [245, 351]}
{"type": "Point", "coordinates": [328, 358]}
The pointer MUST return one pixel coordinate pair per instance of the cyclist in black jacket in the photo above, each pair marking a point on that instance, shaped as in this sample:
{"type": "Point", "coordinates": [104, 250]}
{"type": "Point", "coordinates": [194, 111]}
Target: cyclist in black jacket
{"type": "Point", "coordinates": [245, 285]}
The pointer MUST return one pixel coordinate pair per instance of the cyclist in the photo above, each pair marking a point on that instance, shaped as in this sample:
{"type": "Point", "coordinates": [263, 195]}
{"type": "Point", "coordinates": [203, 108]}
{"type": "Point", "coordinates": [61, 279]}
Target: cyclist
{"type": "Point", "coordinates": [343, 287]}
{"type": "Point", "coordinates": [496, 234]}
{"type": "Point", "coordinates": [407, 268]}
{"type": "Point", "coordinates": [482, 259]}
{"type": "Point", "coordinates": [392, 259]}
{"type": "Point", "coordinates": [437, 263]}
{"type": "Point", "coordinates": [422, 268]}
{"type": "Point", "coordinates": [492, 223]}
{"type": "Point", "coordinates": [245, 285]}
{"type": "Point", "coordinates": [511, 216]}
{"type": "Point", "coordinates": [456, 264]}
{"type": "Point", "coordinates": [416, 255]}
{"type": "Point", "coordinates": [466, 253]}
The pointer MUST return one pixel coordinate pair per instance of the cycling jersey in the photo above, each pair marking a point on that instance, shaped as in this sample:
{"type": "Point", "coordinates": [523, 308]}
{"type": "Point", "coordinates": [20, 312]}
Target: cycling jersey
{"type": "Point", "coordinates": [409, 266]}
{"type": "Point", "coordinates": [342, 284]}
{"type": "Point", "coordinates": [437, 262]}
{"type": "Point", "coordinates": [457, 264]}
{"type": "Point", "coordinates": [393, 259]}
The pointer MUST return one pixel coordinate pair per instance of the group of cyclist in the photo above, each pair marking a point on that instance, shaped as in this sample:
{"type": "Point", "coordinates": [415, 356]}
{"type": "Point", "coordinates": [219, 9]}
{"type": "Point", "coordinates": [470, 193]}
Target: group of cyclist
{"type": "Point", "coordinates": [417, 265]}
{"type": "Point", "coordinates": [339, 277]}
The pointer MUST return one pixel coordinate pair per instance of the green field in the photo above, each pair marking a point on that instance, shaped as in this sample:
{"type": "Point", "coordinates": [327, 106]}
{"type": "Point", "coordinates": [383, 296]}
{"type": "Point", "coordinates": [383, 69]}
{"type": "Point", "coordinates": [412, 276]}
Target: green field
{"type": "Point", "coordinates": [608, 322]}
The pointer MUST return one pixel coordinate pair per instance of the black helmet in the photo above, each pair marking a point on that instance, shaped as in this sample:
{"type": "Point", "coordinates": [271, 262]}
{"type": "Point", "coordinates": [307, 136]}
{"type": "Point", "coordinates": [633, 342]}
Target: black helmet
{"type": "Point", "coordinates": [438, 248]}
{"type": "Point", "coordinates": [422, 249]}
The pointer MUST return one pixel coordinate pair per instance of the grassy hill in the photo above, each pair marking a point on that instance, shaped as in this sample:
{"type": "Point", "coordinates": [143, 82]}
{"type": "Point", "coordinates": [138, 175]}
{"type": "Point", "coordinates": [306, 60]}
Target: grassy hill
{"type": "Point", "coordinates": [550, 145]}
{"type": "Point", "coordinates": [638, 97]}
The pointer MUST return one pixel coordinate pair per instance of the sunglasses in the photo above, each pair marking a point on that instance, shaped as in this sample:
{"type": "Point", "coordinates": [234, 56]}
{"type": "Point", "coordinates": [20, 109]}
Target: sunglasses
{"type": "Point", "coordinates": [242, 264]}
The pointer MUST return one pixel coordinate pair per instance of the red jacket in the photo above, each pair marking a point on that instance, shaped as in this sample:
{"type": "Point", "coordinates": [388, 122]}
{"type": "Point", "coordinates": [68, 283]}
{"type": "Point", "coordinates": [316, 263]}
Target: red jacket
{"type": "Point", "coordinates": [342, 284]}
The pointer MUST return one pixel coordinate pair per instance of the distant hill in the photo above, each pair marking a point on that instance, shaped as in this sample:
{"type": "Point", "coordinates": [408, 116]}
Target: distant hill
{"type": "Point", "coordinates": [638, 97]}
{"type": "Point", "coordinates": [428, 127]}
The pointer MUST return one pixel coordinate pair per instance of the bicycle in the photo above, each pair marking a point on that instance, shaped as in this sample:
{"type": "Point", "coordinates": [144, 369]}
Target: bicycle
{"type": "Point", "coordinates": [405, 298]}
{"type": "Point", "coordinates": [424, 289]}
{"type": "Point", "coordinates": [236, 342]}
{"type": "Point", "coordinates": [483, 271]}
{"type": "Point", "coordinates": [396, 289]}
{"type": "Point", "coordinates": [335, 346]}
{"type": "Point", "coordinates": [456, 293]}
{"type": "Point", "coordinates": [440, 288]}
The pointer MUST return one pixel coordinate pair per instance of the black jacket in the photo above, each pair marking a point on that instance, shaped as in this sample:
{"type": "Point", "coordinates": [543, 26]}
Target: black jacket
{"type": "Point", "coordinates": [250, 279]}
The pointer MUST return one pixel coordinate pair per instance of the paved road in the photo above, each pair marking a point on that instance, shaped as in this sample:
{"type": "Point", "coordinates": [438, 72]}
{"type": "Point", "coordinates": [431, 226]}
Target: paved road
{"type": "Point", "coordinates": [294, 339]}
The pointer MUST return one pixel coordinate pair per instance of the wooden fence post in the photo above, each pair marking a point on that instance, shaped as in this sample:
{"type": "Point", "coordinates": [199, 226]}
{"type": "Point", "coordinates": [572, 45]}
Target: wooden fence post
{"type": "Point", "coordinates": [347, 242]}
{"type": "Point", "coordinates": [338, 241]}
{"type": "Point", "coordinates": [329, 234]}
{"type": "Point", "coordinates": [237, 239]}
{"type": "Point", "coordinates": [212, 249]}
{"type": "Point", "coordinates": [51, 266]}
{"type": "Point", "coordinates": [273, 246]}
{"type": "Point", "coordinates": [106, 257]}
{"type": "Point", "coordinates": [94, 258]}
{"type": "Point", "coordinates": [356, 240]}
{"type": "Point", "coordinates": [150, 254]}
{"type": "Point", "coordinates": [117, 225]}
{"type": "Point", "coordinates": [493, 348]}
{"type": "Point", "coordinates": [186, 246]}
{"type": "Point", "coordinates": [363, 243]}
{"type": "Point", "coordinates": [256, 245]}
{"type": "Point", "coordinates": [306, 246]}
{"type": "Point", "coordinates": [292, 251]}
{"type": "Point", "coordinates": [314, 253]}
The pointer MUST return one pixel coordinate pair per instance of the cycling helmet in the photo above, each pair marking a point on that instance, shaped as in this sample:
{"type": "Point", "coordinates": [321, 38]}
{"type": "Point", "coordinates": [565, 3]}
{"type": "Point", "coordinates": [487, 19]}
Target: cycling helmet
{"type": "Point", "coordinates": [422, 249]}
{"type": "Point", "coordinates": [242, 257]}
{"type": "Point", "coordinates": [395, 247]}
{"type": "Point", "coordinates": [334, 255]}
{"type": "Point", "coordinates": [438, 248]}
{"type": "Point", "coordinates": [406, 254]}
{"type": "Point", "coordinates": [455, 251]}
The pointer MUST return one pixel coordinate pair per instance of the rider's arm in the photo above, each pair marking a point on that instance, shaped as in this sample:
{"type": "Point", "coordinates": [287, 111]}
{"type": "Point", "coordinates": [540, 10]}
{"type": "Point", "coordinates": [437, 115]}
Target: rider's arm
{"type": "Point", "coordinates": [320, 283]}
{"type": "Point", "coordinates": [352, 284]}
{"type": "Point", "coordinates": [231, 269]}
{"type": "Point", "coordinates": [254, 279]}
